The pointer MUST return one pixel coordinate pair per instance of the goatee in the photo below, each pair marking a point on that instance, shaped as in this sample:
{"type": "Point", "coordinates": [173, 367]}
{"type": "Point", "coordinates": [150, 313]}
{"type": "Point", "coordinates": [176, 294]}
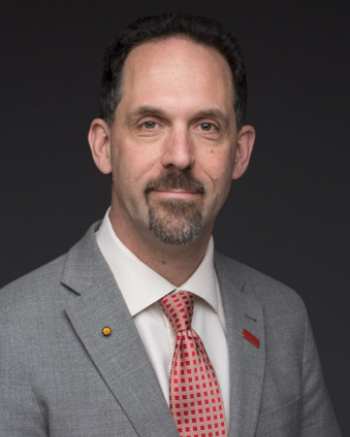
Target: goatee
{"type": "Point", "coordinates": [175, 221]}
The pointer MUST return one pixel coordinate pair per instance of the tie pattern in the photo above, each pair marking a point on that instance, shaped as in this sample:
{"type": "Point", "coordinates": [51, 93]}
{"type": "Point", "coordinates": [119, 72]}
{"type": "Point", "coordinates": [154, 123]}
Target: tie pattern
{"type": "Point", "coordinates": [195, 398]}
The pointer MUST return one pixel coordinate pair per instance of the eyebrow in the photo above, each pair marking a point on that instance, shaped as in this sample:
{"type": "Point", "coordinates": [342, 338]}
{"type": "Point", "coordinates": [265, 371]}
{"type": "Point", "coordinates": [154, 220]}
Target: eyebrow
{"type": "Point", "coordinates": [145, 110]}
{"type": "Point", "coordinates": [210, 112]}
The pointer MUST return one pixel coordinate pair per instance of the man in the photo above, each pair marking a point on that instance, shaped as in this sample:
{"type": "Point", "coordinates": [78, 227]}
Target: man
{"type": "Point", "coordinates": [90, 345]}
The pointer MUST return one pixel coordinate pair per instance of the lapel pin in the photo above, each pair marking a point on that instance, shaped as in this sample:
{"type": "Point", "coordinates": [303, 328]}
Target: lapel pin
{"type": "Point", "coordinates": [251, 338]}
{"type": "Point", "coordinates": [106, 331]}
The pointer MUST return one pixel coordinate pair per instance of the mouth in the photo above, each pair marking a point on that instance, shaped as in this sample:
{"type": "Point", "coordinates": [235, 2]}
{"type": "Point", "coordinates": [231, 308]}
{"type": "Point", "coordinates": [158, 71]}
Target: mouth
{"type": "Point", "coordinates": [176, 194]}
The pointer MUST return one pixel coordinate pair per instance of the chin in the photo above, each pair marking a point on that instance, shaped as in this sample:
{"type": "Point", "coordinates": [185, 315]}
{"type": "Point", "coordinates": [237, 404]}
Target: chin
{"type": "Point", "coordinates": [175, 222]}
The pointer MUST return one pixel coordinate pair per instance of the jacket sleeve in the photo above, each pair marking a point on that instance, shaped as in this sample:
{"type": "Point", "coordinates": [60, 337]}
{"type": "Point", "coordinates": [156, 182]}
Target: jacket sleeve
{"type": "Point", "coordinates": [20, 412]}
{"type": "Point", "coordinates": [317, 416]}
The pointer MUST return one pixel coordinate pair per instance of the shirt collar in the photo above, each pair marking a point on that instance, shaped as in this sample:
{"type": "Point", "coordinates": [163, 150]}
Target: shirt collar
{"type": "Point", "coordinates": [140, 285]}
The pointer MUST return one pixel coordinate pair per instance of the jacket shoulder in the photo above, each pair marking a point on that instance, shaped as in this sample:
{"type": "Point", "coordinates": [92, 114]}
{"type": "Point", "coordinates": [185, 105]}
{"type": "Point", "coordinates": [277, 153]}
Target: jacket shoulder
{"type": "Point", "coordinates": [272, 293]}
{"type": "Point", "coordinates": [40, 284]}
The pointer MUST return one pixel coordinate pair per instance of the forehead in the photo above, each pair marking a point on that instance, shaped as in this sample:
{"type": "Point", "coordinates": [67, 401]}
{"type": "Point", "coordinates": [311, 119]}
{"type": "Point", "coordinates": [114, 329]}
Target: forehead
{"type": "Point", "coordinates": [174, 67]}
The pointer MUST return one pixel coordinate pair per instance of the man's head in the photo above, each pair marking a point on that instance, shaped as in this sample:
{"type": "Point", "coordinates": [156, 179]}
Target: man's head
{"type": "Point", "coordinates": [201, 30]}
{"type": "Point", "coordinates": [172, 143]}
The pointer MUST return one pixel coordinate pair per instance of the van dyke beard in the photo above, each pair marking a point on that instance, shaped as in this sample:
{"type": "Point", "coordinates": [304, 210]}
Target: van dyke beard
{"type": "Point", "coordinates": [181, 221]}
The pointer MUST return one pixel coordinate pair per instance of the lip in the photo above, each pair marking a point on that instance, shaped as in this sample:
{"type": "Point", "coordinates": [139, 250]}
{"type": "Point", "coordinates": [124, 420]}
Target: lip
{"type": "Point", "coordinates": [176, 194]}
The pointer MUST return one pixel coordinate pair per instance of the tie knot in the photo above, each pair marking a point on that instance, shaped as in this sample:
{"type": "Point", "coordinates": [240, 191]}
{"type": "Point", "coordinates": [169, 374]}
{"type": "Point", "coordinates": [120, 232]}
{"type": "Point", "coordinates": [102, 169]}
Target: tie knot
{"type": "Point", "coordinates": [178, 308]}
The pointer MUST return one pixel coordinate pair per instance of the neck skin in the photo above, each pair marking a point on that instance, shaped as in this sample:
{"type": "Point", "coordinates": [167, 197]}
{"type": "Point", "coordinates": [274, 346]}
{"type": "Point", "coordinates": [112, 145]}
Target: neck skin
{"type": "Point", "coordinates": [175, 263]}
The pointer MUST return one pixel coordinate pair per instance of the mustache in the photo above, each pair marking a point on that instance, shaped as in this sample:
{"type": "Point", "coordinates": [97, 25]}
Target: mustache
{"type": "Point", "coordinates": [174, 180]}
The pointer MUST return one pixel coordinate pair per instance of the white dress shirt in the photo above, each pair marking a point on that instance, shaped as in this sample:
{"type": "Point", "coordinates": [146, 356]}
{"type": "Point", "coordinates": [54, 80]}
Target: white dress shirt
{"type": "Point", "coordinates": [142, 287]}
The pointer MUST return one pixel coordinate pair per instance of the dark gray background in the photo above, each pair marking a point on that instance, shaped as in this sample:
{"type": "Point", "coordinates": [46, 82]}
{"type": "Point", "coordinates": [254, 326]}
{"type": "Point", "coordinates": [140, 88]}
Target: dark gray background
{"type": "Point", "coordinates": [288, 216]}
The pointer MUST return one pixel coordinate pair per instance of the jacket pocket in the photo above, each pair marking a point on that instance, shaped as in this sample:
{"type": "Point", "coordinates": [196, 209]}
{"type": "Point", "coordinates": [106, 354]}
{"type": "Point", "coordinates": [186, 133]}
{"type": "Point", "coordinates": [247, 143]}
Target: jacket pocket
{"type": "Point", "coordinates": [284, 417]}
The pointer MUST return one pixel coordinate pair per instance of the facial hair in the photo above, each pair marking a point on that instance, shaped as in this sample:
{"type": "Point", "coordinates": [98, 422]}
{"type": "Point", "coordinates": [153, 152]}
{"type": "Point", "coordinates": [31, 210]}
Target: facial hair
{"type": "Point", "coordinates": [175, 221]}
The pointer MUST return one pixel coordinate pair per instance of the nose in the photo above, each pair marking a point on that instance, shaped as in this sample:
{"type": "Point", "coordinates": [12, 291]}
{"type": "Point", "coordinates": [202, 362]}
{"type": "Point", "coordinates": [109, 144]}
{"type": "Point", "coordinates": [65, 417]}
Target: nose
{"type": "Point", "coordinates": [178, 150]}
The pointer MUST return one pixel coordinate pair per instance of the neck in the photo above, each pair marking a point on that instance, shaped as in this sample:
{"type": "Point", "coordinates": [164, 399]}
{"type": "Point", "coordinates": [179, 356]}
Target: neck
{"type": "Point", "coordinates": [174, 263]}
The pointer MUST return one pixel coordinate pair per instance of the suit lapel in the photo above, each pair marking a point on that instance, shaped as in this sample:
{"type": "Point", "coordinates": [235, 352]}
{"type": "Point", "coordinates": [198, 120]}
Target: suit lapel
{"type": "Point", "coordinates": [247, 362]}
{"type": "Point", "coordinates": [120, 357]}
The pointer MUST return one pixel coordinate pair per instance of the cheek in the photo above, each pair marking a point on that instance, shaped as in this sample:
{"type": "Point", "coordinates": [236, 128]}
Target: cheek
{"type": "Point", "coordinates": [133, 168]}
{"type": "Point", "coordinates": [219, 178]}
{"type": "Point", "coordinates": [219, 167]}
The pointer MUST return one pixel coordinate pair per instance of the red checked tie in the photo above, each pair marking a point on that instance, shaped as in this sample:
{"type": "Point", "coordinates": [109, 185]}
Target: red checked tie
{"type": "Point", "coordinates": [195, 398]}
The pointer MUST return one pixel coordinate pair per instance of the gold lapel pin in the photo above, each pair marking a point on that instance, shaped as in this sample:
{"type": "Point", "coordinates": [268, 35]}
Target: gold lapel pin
{"type": "Point", "coordinates": [106, 331]}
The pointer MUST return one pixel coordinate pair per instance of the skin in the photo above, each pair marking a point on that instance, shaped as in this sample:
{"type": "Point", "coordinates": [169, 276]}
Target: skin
{"type": "Point", "coordinates": [176, 114]}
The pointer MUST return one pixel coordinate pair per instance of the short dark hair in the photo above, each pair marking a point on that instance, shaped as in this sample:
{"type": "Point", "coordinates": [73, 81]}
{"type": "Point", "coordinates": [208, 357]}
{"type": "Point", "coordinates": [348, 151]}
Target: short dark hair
{"type": "Point", "coordinates": [202, 30]}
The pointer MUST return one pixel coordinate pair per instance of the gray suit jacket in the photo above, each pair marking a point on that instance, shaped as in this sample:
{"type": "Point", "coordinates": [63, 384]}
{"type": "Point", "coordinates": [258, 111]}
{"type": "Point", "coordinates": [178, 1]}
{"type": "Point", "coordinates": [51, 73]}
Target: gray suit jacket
{"type": "Point", "coordinates": [59, 376]}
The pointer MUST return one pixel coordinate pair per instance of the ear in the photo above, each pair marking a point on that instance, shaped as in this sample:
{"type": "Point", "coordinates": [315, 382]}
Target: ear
{"type": "Point", "coordinates": [99, 140]}
{"type": "Point", "coordinates": [244, 148]}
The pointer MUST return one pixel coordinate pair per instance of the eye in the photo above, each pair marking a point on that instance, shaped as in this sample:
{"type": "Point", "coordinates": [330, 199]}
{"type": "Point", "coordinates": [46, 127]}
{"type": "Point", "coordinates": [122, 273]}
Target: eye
{"type": "Point", "coordinates": [207, 127]}
{"type": "Point", "coordinates": [149, 124]}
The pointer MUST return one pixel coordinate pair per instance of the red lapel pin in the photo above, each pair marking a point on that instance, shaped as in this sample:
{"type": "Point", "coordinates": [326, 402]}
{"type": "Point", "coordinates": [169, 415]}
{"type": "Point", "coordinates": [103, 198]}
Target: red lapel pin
{"type": "Point", "coordinates": [250, 337]}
